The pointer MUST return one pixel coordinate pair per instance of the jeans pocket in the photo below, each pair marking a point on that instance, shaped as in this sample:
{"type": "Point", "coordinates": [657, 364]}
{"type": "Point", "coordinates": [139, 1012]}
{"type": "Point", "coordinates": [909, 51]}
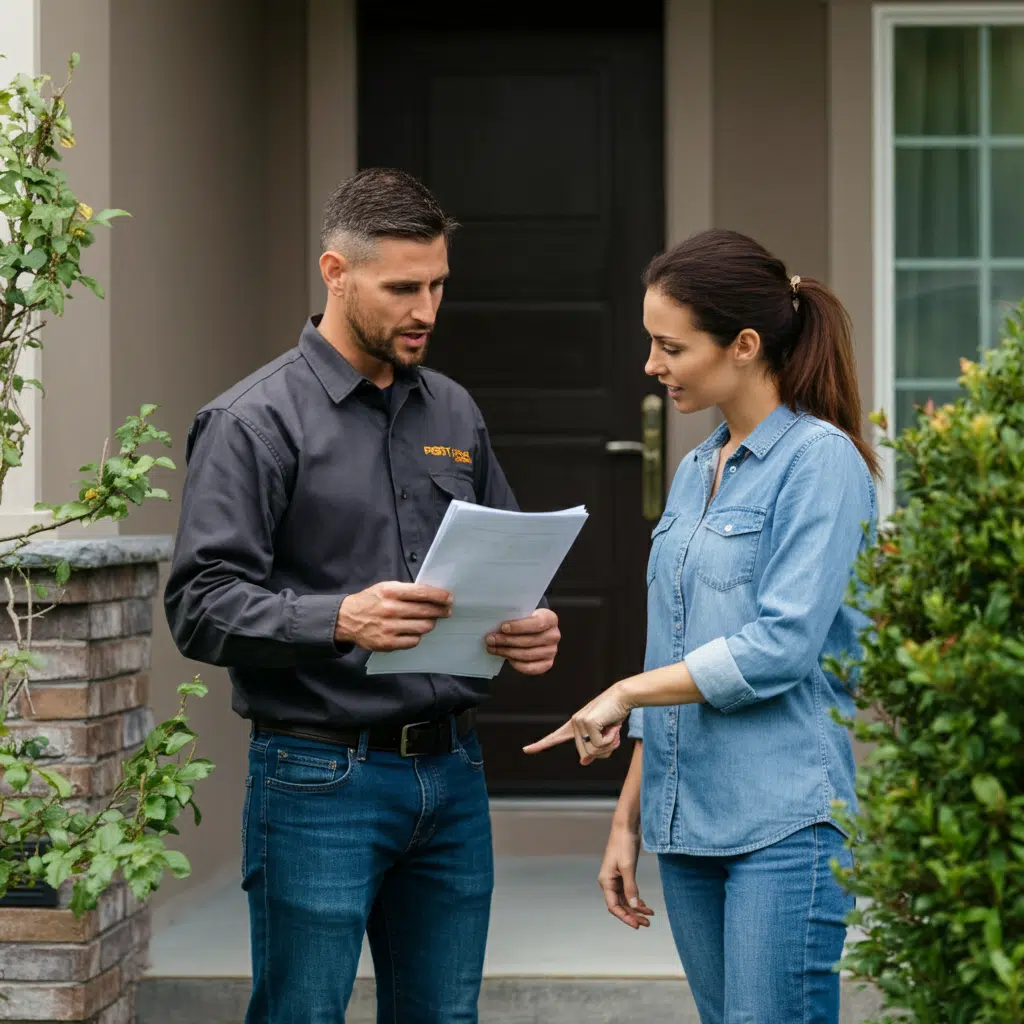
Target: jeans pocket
{"type": "Point", "coordinates": [471, 753]}
{"type": "Point", "coordinates": [299, 770]}
{"type": "Point", "coordinates": [246, 811]}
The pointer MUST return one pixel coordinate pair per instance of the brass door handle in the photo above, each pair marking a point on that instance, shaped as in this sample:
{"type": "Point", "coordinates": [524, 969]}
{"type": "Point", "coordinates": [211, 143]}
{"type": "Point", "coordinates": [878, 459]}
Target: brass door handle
{"type": "Point", "coordinates": [652, 473]}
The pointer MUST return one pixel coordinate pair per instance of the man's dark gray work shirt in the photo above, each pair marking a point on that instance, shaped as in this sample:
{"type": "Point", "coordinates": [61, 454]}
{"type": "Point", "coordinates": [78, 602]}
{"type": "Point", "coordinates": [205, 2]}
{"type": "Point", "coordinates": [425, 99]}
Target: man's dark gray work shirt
{"type": "Point", "coordinates": [307, 483]}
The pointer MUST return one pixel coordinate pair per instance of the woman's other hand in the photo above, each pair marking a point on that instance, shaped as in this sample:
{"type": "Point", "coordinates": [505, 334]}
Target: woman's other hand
{"type": "Point", "coordinates": [596, 728]}
{"type": "Point", "coordinates": [617, 878]}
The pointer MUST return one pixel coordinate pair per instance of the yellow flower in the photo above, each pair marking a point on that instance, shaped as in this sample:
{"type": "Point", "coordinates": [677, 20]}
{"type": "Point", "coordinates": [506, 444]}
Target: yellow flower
{"type": "Point", "coordinates": [940, 421]}
{"type": "Point", "coordinates": [91, 494]}
{"type": "Point", "coordinates": [85, 211]}
{"type": "Point", "coordinates": [67, 141]}
{"type": "Point", "coordinates": [981, 423]}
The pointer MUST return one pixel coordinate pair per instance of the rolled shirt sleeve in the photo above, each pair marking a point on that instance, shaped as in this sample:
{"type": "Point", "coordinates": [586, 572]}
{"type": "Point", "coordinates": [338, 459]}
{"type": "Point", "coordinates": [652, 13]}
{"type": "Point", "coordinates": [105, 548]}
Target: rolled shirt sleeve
{"type": "Point", "coordinates": [635, 729]}
{"type": "Point", "coordinates": [218, 605]}
{"type": "Point", "coordinates": [816, 533]}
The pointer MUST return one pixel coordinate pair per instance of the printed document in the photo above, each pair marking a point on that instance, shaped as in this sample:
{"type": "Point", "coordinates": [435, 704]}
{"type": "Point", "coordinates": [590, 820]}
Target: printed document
{"type": "Point", "coordinates": [496, 565]}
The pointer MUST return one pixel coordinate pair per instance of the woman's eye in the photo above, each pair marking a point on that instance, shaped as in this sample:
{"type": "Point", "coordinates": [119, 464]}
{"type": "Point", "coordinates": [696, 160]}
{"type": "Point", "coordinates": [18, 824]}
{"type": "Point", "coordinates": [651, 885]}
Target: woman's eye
{"type": "Point", "coordinates": [669, 351]}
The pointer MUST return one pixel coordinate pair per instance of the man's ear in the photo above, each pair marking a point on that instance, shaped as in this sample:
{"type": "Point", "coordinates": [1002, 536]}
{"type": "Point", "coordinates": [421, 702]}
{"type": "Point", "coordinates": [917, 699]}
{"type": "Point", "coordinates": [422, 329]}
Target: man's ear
{"type": "Point", "coordinates": [747, 346]}
{"type": "Point", "coordinates": [333, 268]}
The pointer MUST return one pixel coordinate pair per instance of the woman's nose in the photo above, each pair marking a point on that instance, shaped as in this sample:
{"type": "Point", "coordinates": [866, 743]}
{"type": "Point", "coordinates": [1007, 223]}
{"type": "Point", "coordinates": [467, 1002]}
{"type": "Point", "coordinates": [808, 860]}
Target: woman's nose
{"type": "Point", "coordinates": [651, 368]}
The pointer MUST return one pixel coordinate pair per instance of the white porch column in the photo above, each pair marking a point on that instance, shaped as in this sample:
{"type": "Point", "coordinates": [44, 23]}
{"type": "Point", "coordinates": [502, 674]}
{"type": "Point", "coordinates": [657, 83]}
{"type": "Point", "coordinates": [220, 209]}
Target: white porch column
{"type": "Point", "coordinates": [19, 30]}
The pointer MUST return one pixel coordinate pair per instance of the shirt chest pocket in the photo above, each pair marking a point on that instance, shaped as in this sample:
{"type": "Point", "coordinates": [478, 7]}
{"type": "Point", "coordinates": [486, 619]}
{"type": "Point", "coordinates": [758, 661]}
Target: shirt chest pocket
{"type": "Point", "coordinates": [728, 549]}
{"type": "Point", "coordinates": [448, 485]}
{"type": "Point", "coordinates": [658, 536]}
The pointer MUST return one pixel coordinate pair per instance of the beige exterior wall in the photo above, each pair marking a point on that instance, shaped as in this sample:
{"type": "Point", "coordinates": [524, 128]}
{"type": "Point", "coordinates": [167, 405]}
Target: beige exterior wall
{"type": "Point", "coordinates": [208, 278]}
{"type": "Point", "coordinates": [771, 127]}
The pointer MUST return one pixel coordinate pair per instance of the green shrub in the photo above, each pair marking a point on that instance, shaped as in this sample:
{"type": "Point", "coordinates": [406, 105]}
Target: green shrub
{"type": "Point", "coordinates": [940, 858]}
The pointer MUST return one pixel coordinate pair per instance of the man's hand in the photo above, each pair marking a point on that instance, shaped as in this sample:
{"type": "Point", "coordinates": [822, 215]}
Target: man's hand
{"type": "Point", "coordinates": [529, 645]}
{"type": "Point", "coordinates": [391, 616]}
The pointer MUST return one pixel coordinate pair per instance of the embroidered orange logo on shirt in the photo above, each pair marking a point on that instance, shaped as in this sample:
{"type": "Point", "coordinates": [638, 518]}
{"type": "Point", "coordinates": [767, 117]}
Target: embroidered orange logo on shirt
{"type": "Point", "coordinates": [455, 454]}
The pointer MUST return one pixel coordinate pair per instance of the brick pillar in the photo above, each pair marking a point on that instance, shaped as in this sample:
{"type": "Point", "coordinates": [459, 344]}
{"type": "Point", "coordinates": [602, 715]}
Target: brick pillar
{"type": "Point", "coordinates": [90, 703]}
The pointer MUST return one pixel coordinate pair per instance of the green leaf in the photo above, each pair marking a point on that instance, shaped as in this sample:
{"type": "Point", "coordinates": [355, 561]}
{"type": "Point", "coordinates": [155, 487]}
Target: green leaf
{"type": "Point", "coordinates": [104, 217]}
{"type": "Point", "coordinates": [158, 492]}
{"type": "Point", "coordinates": [147, 410]}
{"type": "Point", "coordinates": [989, 792]}
{"type": "Point", "coordinates": [17, 777]}
{"type": "Point", "coordinates": [11, 455]}
{"type": "Point", "coordinates": [35, 259]}
{"type": "Point", "coordinates": [62, 572]}
{"type": "Point", "coordinates": [195, 770]}
{"type": "Point", "coordinates": [155, 808]}
{"type": "Point", "coordinates": [194, 688]}
{"type": "Point", "coordinates": [165, 463]}
{"type": "Point", "coordinates": [93, 285]}
{"type": "Point", "coordinates": [56, 781]}
{"type": "Point", "coordinates": [178, 863]}
{"type": "Point", "coordinates": [108, 837]}
{"type": "Point", "coordinates": [1004, 969]}
{"type": "Point", "coordinates": [177, 741]}
{"type": "Point", "coordinates": [74, 60]}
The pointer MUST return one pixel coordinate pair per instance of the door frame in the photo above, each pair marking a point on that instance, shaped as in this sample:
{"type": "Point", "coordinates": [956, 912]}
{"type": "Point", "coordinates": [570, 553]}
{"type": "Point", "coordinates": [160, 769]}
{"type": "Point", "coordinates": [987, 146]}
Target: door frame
{"type": "Point", "coordinates": [332, 55]}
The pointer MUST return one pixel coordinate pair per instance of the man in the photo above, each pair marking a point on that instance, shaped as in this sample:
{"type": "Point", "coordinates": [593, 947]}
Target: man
{"type": "Point", "coordinates": [314, 489]}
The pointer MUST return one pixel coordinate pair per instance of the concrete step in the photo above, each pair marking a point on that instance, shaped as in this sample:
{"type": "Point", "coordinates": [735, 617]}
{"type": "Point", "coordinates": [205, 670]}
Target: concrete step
{"type": "Point", "coordinates": [503, 1001]}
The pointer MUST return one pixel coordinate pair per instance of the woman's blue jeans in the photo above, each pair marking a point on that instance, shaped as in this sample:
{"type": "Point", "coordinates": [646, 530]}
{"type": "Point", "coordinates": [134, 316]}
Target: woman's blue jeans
{"type": "Point", "coordinates": [759, 934]}
{"type": "Point", "coordinates": [337, 843]}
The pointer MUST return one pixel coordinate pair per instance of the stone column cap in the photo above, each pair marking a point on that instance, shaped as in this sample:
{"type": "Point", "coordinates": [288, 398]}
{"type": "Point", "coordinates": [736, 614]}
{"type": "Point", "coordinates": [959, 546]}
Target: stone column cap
{"type": "Point", "coordinates": [94, 553]}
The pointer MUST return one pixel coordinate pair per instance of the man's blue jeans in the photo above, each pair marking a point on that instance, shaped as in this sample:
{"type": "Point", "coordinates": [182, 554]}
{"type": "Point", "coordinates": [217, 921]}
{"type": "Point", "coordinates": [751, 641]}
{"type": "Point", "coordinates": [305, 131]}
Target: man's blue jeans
{"type": "Point", "coordinates": [759, 934]}
{"type": "Point", "coordinates": [339, 842]}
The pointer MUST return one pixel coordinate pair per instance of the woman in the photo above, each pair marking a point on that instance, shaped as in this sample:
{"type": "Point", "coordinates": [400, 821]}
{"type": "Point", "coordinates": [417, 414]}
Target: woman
{"type": "Point", "coordinates": [739, 757]}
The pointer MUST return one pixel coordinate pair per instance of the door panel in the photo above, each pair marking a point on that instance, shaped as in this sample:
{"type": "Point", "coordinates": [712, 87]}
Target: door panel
{"type": "Point", "coordinates": [545, 142]}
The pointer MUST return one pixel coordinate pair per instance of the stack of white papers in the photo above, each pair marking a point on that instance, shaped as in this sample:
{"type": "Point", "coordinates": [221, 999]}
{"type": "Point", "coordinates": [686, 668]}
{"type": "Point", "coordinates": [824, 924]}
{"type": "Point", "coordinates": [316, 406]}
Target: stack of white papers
{"type": "Point", "coordinates": [496, 565]}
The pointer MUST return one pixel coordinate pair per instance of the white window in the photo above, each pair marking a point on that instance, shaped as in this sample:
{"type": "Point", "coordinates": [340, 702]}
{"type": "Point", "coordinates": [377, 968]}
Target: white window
{"type": "Point", "coordinates": [949, 195]}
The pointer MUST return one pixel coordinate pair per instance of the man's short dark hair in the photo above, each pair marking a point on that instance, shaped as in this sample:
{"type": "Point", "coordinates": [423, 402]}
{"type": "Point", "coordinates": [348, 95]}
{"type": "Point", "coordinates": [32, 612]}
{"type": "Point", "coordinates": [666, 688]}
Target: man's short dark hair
{"type": "Point", "coordinates": [381, 202]}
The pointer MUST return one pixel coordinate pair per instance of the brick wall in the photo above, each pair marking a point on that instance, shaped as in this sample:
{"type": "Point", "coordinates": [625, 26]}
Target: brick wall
{"type": "Point", "coordinates": [90, 702]}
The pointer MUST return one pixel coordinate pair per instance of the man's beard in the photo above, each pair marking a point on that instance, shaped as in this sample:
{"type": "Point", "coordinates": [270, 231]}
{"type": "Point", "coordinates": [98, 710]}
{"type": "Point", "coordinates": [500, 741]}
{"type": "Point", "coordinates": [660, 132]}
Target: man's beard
{"type": "Point", "coordinates": [379, 342]}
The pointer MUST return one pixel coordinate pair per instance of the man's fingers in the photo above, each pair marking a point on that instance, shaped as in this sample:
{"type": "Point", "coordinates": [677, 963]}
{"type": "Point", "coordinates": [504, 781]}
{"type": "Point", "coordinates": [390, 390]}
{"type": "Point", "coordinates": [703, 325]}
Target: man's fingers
{"type": "Point", "coordinates": [416, 610]}
{"type": "Point", "coordinates": [563, 734]}
{"type": "Point", "coordinates": [416, 627]}
{"type": "Point", "coordinates": [416, 592]}
{"type": "Point", "coordinates": [518, 657]}
{"type": "Point", "coordinates": [524, 641]}
{"type": "Point", "coordinates": [540, 621]}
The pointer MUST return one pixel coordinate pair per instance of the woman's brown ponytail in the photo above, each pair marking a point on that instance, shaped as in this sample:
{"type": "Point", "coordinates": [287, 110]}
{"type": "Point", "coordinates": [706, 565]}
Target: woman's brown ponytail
{"type": "Point", "coordinates": [730, 282]}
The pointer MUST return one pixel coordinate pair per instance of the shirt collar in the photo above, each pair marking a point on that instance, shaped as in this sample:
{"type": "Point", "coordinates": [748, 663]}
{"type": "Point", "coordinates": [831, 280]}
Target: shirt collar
{"type": "Point", "coordinates": [761, 439]}
{"type": "Point", "coordinates": [337, 375]}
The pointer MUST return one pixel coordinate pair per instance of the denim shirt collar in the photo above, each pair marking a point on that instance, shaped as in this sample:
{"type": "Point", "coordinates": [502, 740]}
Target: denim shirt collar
{"type": "Point", "coordinates": [761, 439]}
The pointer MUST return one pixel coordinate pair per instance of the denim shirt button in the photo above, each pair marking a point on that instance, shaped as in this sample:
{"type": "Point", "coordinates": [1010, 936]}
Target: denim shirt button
{"type": "Point", "coordinates": [728, 528]}
{"type": "Point", "coordinates": [732, 469]}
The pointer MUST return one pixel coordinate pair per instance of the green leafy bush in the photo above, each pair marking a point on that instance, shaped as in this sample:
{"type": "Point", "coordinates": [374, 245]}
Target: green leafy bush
{"type": "Point", "coordinates": [940, 860]}
{"type": "Point", "coordinates": [46, 230]}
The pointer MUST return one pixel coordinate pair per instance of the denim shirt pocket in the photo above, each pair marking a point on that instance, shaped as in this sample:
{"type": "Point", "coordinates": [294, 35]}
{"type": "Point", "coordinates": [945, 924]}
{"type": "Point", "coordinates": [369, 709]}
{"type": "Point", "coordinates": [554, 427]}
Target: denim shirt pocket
{"type": "Point", "coordinates": [657, 540]}
{"type": "Point", "coordinates": [728, 546]}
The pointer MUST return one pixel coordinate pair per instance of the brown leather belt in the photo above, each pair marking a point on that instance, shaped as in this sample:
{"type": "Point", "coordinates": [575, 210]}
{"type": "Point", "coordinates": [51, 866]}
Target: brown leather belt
{"type": "Point", "coordinates": [417, 739]}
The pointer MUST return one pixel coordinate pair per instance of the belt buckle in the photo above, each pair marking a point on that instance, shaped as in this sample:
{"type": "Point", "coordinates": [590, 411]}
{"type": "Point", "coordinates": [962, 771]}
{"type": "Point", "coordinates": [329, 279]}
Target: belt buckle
{"type": "Point", "coordinates": [403, 747]}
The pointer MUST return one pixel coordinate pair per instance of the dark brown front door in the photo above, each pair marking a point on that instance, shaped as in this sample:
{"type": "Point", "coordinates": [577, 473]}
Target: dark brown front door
{"type": "Point", "coordinates": [545, 142]}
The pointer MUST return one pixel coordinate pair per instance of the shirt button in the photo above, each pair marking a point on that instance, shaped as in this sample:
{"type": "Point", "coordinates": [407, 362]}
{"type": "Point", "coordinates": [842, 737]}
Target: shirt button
{"type": "Point", "coordinates": [405, 494]}
{"type": "Point", "coordinates": [679, 625]}
{"type": "Point", "coordinates": [413, 557]}
{"type": "Point", "coordinates": [728, 528]}
{"type": "Point", "coordinates": [732, 469]}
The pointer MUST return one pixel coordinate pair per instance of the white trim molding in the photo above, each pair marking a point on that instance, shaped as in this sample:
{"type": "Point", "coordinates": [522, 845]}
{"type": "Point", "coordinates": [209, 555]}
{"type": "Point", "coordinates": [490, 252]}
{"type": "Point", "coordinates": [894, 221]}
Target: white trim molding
{"type": "Point", "coordinates": [886, 18]}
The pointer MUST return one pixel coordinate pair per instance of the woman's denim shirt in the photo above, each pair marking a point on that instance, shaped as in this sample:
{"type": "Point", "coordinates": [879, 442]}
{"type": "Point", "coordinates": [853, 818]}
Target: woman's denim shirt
{"type": "Point", "coordinates": [749, 590]}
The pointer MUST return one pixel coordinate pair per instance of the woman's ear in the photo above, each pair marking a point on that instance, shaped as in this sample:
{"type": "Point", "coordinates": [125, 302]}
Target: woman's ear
{"type": "Point", "coordinates": [746, 349]}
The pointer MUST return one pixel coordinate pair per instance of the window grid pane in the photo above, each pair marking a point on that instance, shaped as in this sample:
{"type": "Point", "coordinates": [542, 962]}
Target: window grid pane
{"type": "Point", "coordinates": [957, 206]}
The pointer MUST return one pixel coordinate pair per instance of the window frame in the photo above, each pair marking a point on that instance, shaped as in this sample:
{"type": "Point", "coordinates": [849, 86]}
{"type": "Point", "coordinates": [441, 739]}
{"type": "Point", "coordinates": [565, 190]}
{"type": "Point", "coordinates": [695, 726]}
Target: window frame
{"type": "Point", "coordinates": [886, 18]}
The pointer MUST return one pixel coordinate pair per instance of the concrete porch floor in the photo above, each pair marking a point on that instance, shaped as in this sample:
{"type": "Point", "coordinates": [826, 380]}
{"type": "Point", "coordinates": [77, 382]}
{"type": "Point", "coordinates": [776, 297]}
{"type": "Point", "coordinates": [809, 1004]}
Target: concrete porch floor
{"type": "Point", "coordinates": [554, 954]}
{"type": "Point", "coordinates": [548, 918]}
